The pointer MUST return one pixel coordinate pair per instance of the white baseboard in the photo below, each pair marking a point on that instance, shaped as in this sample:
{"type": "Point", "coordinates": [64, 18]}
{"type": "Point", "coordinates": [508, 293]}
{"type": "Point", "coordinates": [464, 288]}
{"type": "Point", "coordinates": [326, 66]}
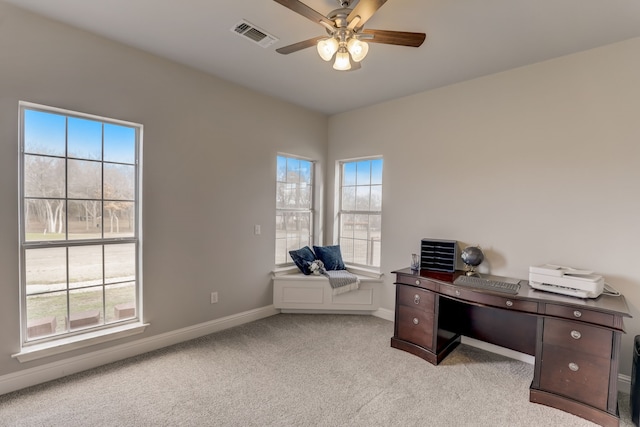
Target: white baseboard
{"type": "Point", "coordinates": [51, 371]}
{"type": "Point", "coordinates": [386, 314]}
{"type": "Point", "coordinates": [382, 313]}
{"type": "Point", "coordinates": [512, 354]}
{"type": "Point", "coordinates": [624, 383]}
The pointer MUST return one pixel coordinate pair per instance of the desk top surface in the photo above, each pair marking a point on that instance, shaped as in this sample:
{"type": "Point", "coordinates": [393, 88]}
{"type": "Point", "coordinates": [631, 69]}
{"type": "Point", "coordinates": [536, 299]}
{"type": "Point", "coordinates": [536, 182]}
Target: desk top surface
{"type": "Point", "coordinates": [606, 303]}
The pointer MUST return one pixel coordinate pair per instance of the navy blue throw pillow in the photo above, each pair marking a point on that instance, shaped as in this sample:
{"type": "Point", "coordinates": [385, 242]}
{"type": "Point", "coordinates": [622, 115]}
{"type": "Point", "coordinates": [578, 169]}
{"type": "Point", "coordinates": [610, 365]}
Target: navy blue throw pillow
{"type": "Point", "coordinates": [330, 256]}
{"type": "Point", "coordinates": [302, 258]}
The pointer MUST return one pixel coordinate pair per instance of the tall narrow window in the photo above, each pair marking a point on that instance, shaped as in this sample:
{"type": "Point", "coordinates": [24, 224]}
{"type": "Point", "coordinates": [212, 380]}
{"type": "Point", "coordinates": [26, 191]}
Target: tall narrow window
{"type": "Point", "coordinates": [79, 222]}
{"type": "Point", "coordinates": [294, 206]}
{"type": "Point", "coordinates": [360, 211]}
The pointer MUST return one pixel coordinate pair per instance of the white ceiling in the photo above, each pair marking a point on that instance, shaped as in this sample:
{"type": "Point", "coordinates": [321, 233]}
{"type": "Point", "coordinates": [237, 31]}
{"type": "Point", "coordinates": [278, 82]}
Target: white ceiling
{"type": "Point", "coordinates": [465, 39]}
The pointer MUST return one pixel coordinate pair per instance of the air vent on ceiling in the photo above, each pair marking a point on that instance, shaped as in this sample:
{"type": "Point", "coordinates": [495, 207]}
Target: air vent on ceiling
{"type": "Point", "coordinates": [253, 33]}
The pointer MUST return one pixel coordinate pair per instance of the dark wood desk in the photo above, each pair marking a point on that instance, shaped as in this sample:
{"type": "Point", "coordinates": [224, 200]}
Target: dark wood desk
{"type": "Point", "coordinates": [576, 342]}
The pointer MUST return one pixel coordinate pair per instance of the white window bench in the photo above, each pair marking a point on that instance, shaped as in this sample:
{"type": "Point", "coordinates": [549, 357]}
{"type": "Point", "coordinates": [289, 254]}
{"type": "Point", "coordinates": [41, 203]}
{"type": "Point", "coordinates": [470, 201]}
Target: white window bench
{"type": "Point", "coordinates": [293, 292]}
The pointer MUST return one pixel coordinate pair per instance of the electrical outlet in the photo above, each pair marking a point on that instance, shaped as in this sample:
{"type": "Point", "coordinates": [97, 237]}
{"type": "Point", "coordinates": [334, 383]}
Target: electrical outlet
{"type": "Point", "coordinates": [256, 229]}
{"type": "Point", "coordinates": [214, 297]}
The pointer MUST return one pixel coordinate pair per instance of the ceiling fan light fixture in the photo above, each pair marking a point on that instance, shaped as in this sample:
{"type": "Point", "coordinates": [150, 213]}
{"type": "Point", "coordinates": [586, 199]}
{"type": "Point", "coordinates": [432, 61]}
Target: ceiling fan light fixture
{"type": "Point", "coordinates": [344, 43]}
{"type": "Point", "coordinates": [358, 49]}
{"type": "Point", "coordinates": [342, 63]}
{"type": "Point", "coordinates": [327, 48]}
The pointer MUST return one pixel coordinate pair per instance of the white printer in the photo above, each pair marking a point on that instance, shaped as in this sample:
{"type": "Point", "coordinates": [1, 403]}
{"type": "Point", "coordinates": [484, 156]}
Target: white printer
{"type": "Point", "coordinates": [566, 281]}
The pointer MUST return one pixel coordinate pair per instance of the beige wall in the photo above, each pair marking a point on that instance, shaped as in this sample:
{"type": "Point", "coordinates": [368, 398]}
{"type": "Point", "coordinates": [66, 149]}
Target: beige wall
{"type": "Point", "coordinates": [209, 169]}
{"type": "Point", "coordinates": [538, 164]}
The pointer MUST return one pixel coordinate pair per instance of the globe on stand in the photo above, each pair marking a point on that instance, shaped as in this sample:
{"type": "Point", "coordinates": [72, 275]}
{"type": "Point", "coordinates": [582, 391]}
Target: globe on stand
{"type": "Point", "coordinates": [472, 257]}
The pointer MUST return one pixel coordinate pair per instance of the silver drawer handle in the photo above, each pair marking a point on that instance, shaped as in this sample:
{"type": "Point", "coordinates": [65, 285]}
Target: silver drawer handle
{"type": "Point", "coordinates": [416, 299]}
{"type": "Point", "coordinates": [576, 335]}
{"type": "Point", "coordinates": [415, 321]}
{"type": "Point", "coordinates": [577, 313]}
{"type": "Point", "coordinates": [574, 367]}
{"type": "Point", "coordinates": [509, 303]}
{"type": "Point", "coordinates": [457, 293]}
{"type": "Point", "coordinates": [418, 282]}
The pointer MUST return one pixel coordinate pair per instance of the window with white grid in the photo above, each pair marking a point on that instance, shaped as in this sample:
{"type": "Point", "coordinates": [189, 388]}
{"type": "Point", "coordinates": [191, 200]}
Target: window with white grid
{"type": "Point", "coordinates": [360, 211]}
{"type": "Point", "coordinates": [79, 222]}
{"type": "Point", "coordinates": [294, 206]}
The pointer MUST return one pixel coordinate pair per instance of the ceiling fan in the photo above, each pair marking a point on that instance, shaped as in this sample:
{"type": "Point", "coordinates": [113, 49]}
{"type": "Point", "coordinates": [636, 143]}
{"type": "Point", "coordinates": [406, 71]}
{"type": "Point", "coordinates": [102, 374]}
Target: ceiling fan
{"type": "Point", "coordinates": [347, 40]}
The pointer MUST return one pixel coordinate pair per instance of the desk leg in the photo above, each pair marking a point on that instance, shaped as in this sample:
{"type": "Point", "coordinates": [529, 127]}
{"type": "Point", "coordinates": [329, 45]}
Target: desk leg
{"type": "Point", "coordinates": [587, 412]}
{"type": "Point", "coordinates": [538, 362]}
{"type": "Point", "coordinates": [416, 350]}
{"type": "Point", "coordinates": [612, 404]}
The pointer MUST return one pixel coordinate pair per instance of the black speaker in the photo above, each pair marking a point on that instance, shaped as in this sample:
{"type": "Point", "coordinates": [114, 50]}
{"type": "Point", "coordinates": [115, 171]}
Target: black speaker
{"type": "Point", "coordinates": [635, 383]}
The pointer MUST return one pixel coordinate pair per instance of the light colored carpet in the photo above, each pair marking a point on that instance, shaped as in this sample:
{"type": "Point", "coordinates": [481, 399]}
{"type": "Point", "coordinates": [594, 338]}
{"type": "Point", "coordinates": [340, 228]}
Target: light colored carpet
{"type": "Point", "coordinates": [293, 370]}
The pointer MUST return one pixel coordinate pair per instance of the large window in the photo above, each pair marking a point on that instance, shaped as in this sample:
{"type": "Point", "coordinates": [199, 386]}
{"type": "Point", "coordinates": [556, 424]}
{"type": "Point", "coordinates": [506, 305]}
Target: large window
{"type": "Point", "coordinates": [360, 211]}
{"type": "Point", "coordinates": [294, 206]}
{"type": "Point", "coordinates": [79, 222]}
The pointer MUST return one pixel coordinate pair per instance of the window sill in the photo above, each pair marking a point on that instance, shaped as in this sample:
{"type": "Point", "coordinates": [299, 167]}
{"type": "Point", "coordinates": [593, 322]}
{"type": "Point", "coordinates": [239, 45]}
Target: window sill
{"type": "Point", "coordinates": [374, 274]}
{"type": "Point", "coordinates": [63, 345]}
{"type": "Point", "coordinates": [287, 269]}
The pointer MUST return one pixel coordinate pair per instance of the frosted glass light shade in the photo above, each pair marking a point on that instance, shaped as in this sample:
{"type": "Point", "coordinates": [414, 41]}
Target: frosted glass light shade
{"type": "Point", "coordinates": [342, 60]}
{"type": "Point", "coordinates": [327, 47]}
{"type": "Point", "coordinates": [358, 49]}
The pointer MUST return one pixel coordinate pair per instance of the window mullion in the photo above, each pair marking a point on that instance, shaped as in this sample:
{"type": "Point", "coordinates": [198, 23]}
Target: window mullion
{"type": "Point", "coordinates": [68, 296]}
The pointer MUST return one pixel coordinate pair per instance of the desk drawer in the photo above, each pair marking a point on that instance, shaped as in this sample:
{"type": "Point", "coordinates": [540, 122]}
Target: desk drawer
{"type": "Point", "coordinates": [416, 326]}
{"type": "Point", "coordinates": [415, 297]}
{"type": "Point", "coordinates": [580, 314]}
{"type": "Point", "coordinates": [578, 376]}
{"type": "Point", "coordinates": [418, 281]}
{"type": "Point", "coordinates": [492, 300]}
{"type": "Point", "coordinates": [578, 337]}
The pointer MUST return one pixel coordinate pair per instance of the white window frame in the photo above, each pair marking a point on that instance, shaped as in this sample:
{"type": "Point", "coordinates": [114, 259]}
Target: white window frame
{"type": "Point", "coordinates": [58, 343]}
{"type": "Point", "coordinates": [340, 211]}
{"type": "Point", "coordinates": [310, 210]}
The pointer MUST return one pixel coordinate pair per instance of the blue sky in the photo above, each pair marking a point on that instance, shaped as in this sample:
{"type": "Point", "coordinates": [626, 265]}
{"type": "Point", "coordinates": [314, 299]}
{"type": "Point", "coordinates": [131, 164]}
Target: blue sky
{"type": "Point", "coordinates": [45, 133]}
{"type": "Point", "coordinates": [363, 172]}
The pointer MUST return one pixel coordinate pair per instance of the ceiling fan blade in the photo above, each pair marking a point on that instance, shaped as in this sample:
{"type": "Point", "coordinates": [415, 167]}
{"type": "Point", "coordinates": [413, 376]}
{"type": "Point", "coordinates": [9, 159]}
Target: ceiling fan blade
{"type": "Point", "coordinates": [285, 50]}
{"type": "Point", "coordinates": [400, 38]}
{"type": "Point", "coordinates": [307, 12]}
{"type": "Point", "coordinates": [363, 11]}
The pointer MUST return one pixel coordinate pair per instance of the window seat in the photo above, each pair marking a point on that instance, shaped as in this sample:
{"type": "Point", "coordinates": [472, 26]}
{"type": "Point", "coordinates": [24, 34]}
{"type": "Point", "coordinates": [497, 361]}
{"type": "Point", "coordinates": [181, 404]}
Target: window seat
{"type": "Point", "coordinates": [293, 292]}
